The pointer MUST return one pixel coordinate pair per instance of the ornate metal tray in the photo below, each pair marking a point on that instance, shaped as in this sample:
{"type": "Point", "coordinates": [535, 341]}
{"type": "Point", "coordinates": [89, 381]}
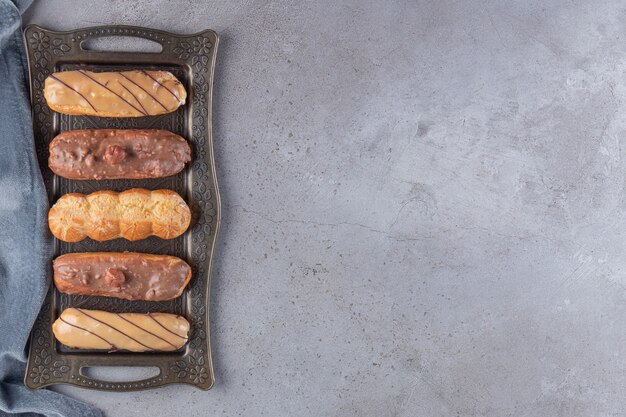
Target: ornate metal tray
{"type": "Point", "coordinates": [192, 59]}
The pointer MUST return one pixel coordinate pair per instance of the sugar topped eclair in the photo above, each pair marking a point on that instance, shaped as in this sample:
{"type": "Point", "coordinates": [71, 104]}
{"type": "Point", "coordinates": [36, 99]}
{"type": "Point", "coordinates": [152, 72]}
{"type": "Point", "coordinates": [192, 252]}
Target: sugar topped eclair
{"type": "Point", "coordinates": [132, 214]}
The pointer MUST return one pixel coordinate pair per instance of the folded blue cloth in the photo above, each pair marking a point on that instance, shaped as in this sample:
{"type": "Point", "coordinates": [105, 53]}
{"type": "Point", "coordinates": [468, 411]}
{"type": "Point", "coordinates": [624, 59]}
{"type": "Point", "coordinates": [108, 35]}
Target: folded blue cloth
{"type": "Point", "coordinates": [25, 244]}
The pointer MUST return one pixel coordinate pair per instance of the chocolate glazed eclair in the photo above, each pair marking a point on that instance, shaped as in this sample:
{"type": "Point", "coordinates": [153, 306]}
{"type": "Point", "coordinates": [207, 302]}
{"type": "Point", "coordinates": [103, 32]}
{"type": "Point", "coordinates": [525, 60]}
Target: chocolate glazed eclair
{"type": "Point", "coordinates": [127, 275]}
{"type": "Point", "coordinates": [118, 154]}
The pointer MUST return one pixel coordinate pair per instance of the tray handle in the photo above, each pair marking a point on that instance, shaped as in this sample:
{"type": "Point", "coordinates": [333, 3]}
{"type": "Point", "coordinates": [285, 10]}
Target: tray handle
{"type": "Point", "coordinates": [134, 384]}
{"type": "Point", "coordinates": [96, 32]}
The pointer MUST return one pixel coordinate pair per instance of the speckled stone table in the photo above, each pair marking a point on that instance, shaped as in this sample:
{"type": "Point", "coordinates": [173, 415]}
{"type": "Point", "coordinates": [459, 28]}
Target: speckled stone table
{"type": "Point", "coordinates": [424, 207]}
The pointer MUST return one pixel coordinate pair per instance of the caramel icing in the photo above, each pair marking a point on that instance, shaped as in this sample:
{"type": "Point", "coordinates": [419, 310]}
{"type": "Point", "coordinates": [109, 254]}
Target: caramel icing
{"type": "Point", "coordinates": [114, 94]}
{"type": "Point", "coordinates": [135, 332]}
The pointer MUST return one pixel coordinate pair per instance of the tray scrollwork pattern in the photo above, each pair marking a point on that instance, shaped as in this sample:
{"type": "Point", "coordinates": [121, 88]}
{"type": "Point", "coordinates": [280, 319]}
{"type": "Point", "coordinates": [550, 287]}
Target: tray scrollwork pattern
{"type": "Point", "coordinates": [192, 59]}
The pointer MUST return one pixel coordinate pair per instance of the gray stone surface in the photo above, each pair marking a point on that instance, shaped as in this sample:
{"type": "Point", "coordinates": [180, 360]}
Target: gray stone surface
{"type": "Point", "coordinates": [423, 207]}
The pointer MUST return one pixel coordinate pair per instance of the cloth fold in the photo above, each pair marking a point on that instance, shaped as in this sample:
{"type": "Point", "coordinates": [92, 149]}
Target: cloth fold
{"type": "Point", "coordinates": [25, 245]}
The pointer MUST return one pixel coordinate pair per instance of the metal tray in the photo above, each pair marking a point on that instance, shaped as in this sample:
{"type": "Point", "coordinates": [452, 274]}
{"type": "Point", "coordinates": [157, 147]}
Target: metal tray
{"type": "Point", "coordinates": [192, 59]}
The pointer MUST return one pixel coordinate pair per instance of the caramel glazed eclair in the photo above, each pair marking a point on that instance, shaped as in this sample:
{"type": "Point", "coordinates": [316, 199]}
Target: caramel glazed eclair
{"type": "Point", "coordinates": [127, 275]}
{"type": "Point", "coordinates": [132, 214]}
{"type": "Point", "coordinates": [136, 332]}
{"type": "Point", "coordinates": [114, 94]}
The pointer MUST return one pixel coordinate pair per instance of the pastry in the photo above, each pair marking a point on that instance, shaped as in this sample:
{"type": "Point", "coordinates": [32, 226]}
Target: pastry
{"type": "Point", "coordinates": [94, 329]}
{"type": "Point", "coordinates": [132, 214]}
{"type": "Point", "coordinates": [114, 94]}
{"type": "Point", "coordinates": [128, 275]}
{"type": "Point", "coordinates": [115, 154]}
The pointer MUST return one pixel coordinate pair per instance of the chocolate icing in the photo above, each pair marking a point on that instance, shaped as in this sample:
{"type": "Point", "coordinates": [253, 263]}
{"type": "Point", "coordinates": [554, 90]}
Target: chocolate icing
{"type": "Point", "coordinates": [115, 328]}
{"type": "Point", "coordinates": [145, 330]}
{"type": "Point", "coordinates": [134, 96]}
{"type": "Point", "coordinates": [85, 74]}
{"type": "Point", "coordinates": [160, 84]}
{"type": "Point", "coordinates": [165, 328]}
{"type": "Point", "coordinates": [74, 90]}
{"type": "Point", "coordinates": [113, 348]}
{"type": "Point", "coordinates": [132, 276]}
{"type": "Point", "coordinates": [115, 154]}
{"type": "Point", "coordinates": [146, 91]}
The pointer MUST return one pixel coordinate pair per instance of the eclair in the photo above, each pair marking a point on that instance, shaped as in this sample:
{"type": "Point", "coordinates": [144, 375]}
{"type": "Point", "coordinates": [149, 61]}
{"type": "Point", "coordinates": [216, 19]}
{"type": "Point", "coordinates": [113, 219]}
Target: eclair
{"type": "Point", "coordinates": [114, 94]}
{"type": "Point", "coordinates": [117, 154]}
{"type": "Point", "coordinates": [94, 329]}
{"type": "Point", "coordinates": [127, 275]}
{"type": "Point", "coordinates": [132, 214]}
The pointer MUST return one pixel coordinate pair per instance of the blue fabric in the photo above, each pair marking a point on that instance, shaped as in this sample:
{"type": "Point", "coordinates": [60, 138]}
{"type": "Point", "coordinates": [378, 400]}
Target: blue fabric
{"type": "Point", "coordinates": [25, 244]}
